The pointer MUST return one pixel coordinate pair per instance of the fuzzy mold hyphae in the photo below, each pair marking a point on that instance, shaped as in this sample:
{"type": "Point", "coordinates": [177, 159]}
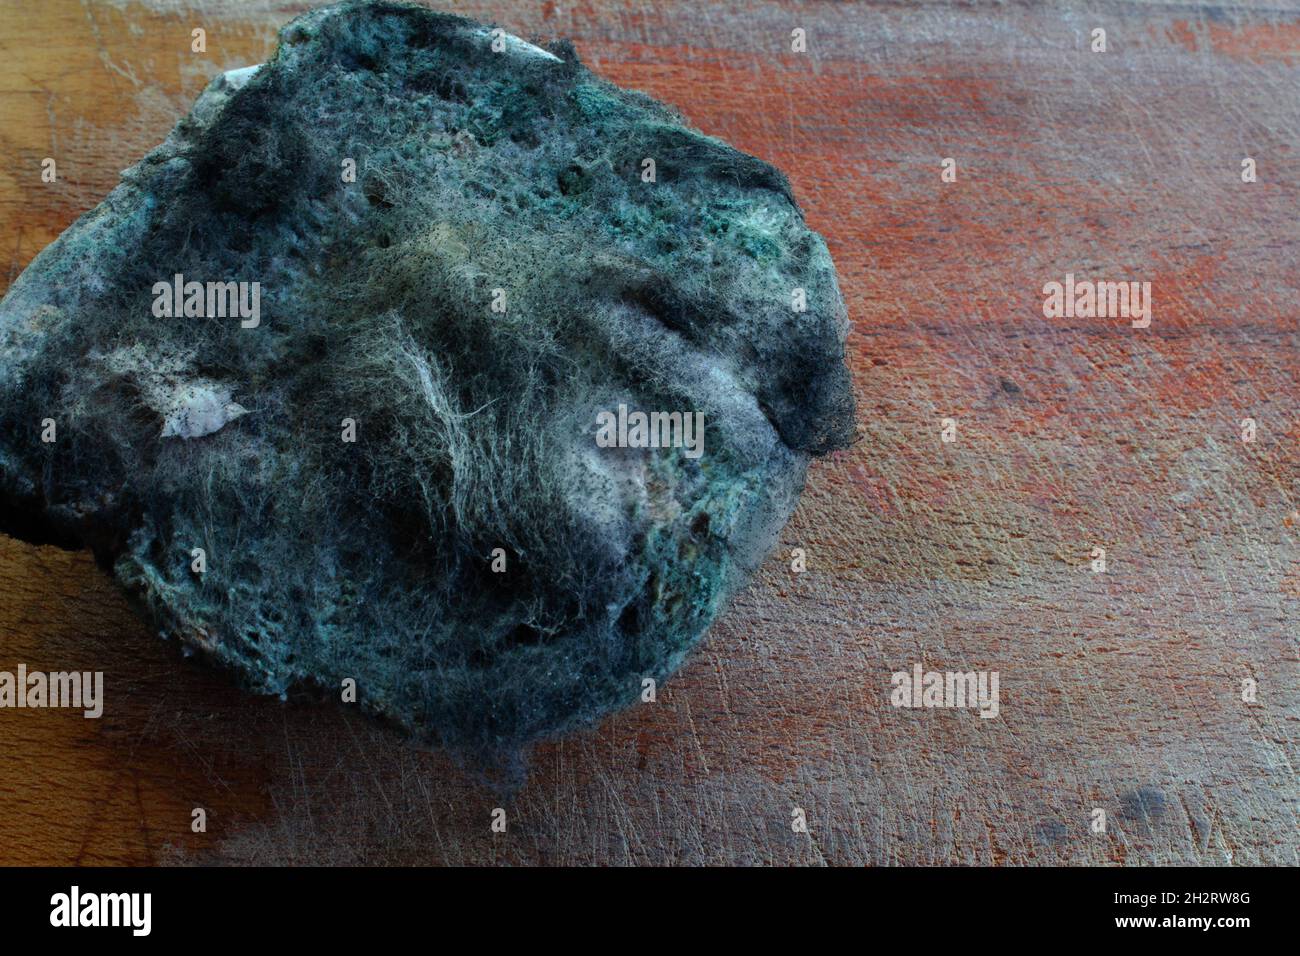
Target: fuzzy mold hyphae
{"type": "Point", "coordinates": [465, 249]}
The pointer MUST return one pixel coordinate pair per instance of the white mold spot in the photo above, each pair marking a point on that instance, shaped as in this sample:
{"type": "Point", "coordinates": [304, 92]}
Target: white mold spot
{"type": "Point", "coordinates": [516, 45]}
{"type": "Point", "coordinates": [237, 78]}
{"type": "Point", "coordinates": [197, 409]}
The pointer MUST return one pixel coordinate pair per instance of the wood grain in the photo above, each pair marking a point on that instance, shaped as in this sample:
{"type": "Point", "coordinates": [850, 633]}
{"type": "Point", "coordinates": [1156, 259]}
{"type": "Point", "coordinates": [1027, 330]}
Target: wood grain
{"type": "Point", "coordinates": [1119, 691]}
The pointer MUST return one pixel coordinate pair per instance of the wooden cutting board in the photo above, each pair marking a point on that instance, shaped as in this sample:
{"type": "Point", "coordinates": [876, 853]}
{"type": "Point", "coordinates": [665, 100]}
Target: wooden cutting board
{"type": "Point", "coordinates": [1120, 690]}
